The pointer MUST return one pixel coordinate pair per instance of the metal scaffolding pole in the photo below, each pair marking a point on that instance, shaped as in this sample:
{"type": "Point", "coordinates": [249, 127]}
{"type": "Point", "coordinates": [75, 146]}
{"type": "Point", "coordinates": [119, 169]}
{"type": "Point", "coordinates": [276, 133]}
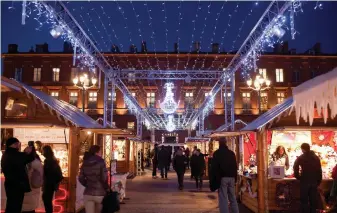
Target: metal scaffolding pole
{"type": "Point", "coordinates": [113, 96]}
{"type": "Point", "coordinates": [139, 126]}
{"type": "Point", "coordinates": [106, 107]}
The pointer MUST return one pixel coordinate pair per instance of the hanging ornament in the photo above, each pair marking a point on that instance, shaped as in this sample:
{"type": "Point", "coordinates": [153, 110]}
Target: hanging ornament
{"type": "Point", "coordinates": [170, 126]}
{"type": "Point", "coordinates": [169, 106]}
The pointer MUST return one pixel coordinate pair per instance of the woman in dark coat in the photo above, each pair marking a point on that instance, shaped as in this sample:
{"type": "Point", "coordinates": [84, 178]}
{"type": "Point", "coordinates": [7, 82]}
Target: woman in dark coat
{"type": "Point", "coordinates": [179, 165]}
{"type": "Point", "coordinates": [198, 168]}
{"type": "Point", "coordinates": [52, 178]}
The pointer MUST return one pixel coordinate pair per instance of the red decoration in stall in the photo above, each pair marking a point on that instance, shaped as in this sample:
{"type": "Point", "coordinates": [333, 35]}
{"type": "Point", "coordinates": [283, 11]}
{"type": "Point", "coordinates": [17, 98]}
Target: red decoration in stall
{"type": "Point", "coordinates": [249, 147]}
{"type": "Point", "coordinates": [323, 138]}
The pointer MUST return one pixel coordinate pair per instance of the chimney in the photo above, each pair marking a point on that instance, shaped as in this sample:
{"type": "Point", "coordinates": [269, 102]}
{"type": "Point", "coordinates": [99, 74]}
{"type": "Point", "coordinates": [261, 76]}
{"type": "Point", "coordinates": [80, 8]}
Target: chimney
{"type": "Point", "coordinates": [67, 47]}
{"type": "Point", "coordinates": [133, 49]}
{"type": "Point", "coordinates": [293, 51]}
{"type": "Point", "coordinates": [196, 46]}
{"type": "Point", "coordinates": [176, 48]}
{"type": "Point", "coordinates": [317, 48]}
{"type": "Point", "coordinates": [285, 48]}
{"type": "Point", "coordinates": [144, 48]}
{"type": "Point", "coordinates": [115, 48]}
{"type": "Point", "coordinates": [12, 48]}
{"type": "Point", "coordinates": [42, 48]}
{"type": "Point", "coordinates": [277, 48]}
{"type": "Point", "coordinates": [31, 49]}
{"type": "Point", "coordinates": [215, 48]}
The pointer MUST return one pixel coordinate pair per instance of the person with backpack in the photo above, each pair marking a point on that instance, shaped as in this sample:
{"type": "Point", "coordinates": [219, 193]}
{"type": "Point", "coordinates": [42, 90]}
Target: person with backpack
{"type": "Point", "coordinates": [35, 174]}
{"type": "Point", "coordinates": [94, 177]}
{"type": "Point", "coordinates": [52, 174]}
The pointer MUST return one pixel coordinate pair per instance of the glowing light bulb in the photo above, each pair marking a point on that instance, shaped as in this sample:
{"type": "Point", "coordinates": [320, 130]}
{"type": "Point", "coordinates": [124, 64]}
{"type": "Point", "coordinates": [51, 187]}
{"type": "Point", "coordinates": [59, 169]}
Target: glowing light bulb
{"type": "Point", "coordinates": [75, 80]}
{"type": "Point", "coordinates": [249, 82]}
{"type": "Point", "coordinates": [93, 81]}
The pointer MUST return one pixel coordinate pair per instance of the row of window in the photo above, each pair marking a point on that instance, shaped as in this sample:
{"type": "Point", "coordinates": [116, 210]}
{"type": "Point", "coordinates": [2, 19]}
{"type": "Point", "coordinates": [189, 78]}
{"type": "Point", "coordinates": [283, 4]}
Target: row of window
{"type": "Point", "coordinates": [151, 98]}
{"type": "Point", "coordinates": [131, 77]}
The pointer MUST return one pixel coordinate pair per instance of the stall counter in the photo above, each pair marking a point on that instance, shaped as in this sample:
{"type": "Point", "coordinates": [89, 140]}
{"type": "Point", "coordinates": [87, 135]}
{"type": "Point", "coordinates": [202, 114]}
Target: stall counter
{"type": "Point", "coordinates": [283, 194]}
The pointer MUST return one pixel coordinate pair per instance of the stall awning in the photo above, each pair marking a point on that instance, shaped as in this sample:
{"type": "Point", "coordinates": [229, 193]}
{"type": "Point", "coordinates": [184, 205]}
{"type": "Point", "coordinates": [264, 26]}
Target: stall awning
{"type": "Point", "coordinates": [274, 113]}
{"type": "Point", "coordinates": [68, 112]}
{"type": "Point", "coordinates": [196, 140]}
{"type": "Point", "coordinates": [221, 134]}
{"type": "Point", "coordinates": [319, 92]}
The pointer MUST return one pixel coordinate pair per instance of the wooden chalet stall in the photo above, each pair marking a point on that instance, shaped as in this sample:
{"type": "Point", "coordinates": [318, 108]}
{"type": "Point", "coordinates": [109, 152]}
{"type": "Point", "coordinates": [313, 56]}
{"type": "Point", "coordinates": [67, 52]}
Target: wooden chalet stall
{"type": "Point", "coordinates": [287, 125]}
{"type": "Point", "coordinates": [31, 115]}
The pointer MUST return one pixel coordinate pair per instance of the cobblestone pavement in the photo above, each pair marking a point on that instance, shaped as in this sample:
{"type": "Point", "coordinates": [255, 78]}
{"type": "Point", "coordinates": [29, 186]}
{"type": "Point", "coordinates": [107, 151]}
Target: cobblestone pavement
{"type": "Point", "coordinates": [147, 195]}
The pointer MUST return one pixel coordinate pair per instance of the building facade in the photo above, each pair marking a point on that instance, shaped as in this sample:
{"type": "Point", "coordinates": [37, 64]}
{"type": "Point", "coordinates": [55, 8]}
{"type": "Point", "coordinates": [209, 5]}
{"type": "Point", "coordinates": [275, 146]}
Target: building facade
{"type": "Point", "coordinates": [53, 73]}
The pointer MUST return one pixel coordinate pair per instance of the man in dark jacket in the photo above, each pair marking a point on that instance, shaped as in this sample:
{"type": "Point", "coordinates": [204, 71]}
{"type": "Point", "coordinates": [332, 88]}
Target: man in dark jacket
{"type": "Point", "coordinates": [179, 165]}
{"type": "Point", "coordinates": [310, 178]}
{"type": "Point", "coordinates": [224, 167]}
{"type": "Point", "coordinates": [163, 162]}
{"type": "Point", "coordinates": [154, 161]}
{"type": "Point", "coordinates": [13, 164]}
{"type": "Point", "coordinates": [198, 167]}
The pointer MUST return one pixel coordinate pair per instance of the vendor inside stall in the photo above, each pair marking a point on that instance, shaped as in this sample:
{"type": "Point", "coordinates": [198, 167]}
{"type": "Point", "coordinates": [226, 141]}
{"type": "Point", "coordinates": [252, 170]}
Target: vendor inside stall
{"type": "Point", "coordinates": [280, 157]}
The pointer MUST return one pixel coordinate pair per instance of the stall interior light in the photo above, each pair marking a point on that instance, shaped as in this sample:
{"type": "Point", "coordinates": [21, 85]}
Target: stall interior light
{"type": "Point", "coordinates": [89, 132]}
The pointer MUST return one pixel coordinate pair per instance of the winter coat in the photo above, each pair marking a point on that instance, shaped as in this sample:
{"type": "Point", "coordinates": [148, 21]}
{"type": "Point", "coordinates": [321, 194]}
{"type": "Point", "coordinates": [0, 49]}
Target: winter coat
{"type": "Point", "coordinates": [154, 155]}
{"type": "Point", "coordinates": [179, 164]}
{"type": "Point", "coordinates": [13, 165]}
{"type": "Point", "coordinates": [198, 165]}
{"type": "Point", "coordinates": [334, 173]}
{"type": "Point", "coordinates": [94, 176]}
{"type": "Point", "coordinates": [163, 158]}
{"type": "Point", "coordinates": [224, 163]}
{"type": "Point", "coordinates": [32, 198]}
{"type": "Point", "coordinates": [52, 174]}
{"type": "Point", "coordinates": [311, 168]}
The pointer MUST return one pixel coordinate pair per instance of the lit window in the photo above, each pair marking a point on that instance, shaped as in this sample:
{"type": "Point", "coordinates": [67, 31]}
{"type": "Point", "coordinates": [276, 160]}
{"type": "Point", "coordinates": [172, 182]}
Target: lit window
{"type": "Point", "coordinates": [279, 75]}
{"type": "Point", "coordinates": [55, 94]}
{"type": "Point", "coordinates": [131, 125]}
{"type": "Point", "coordinates": [18, 74]}
{"type": "Point", "coordinates": [246, 101]}
{"type": "Point", "coordinates": [188, 98]}
{"type": "Point", "coordinates": [280, 97]}
{"type": "Point", "coordinates": [208, 94]}
{"type": "Point", "coordinates": [114, 96]}
{"type": "Point", "coordinates": [37, 74]}
{"type": "Point", "coordinates": [264, 101]}
{"type": "Point", "coordinates": [151, 99]}
{"type": "Point", "coordinates": [263, 72]}
{"type": "Point", "coordinates": [56, 74]}
{"type": "Point", "coordinates": [73, 98]}
{"type": "Point", "coordinates": [131, 77]}
{"type": "Point", "coordinates": [92, 100]}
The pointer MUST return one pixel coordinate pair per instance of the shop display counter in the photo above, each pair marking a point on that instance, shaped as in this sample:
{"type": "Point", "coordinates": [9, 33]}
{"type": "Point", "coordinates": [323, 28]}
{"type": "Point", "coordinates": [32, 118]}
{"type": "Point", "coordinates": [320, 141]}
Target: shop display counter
{"type": "Point", "coordinates": [283, 194]}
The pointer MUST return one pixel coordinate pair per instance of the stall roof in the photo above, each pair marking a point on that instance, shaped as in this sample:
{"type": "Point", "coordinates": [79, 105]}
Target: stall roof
{"type": "Point", "coordinates": [270, 115]}
{"type": "Point", "coordinates": [219, 134]}
{"type": "Point", "coordinates": [63, 109]}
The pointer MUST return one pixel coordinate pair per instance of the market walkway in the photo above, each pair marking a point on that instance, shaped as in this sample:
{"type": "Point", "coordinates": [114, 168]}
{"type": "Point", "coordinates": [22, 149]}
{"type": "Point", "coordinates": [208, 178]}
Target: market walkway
{"type": "Point", "coordinates": [162, 196]}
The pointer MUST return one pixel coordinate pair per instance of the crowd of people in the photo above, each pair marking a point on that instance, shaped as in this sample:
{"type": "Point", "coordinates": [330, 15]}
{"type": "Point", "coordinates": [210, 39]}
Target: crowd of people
{"type": "Point", "coordinates": [26, 174]}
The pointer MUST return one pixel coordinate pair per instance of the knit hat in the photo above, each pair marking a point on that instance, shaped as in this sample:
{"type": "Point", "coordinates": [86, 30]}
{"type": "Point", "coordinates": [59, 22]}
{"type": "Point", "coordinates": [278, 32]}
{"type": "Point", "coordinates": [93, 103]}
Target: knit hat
{"type": "Point", "coordinates": [11, 141]}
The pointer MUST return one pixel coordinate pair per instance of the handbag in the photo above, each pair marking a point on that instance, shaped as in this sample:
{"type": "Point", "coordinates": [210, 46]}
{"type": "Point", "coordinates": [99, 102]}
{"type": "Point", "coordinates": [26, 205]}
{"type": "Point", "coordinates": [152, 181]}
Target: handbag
{"type": "Point", "coordinates": [110, 202]}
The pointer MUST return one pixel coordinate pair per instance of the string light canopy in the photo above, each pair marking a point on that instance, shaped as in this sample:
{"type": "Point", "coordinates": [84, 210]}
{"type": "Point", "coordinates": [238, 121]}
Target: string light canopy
{"type": "Point", "coordinates": [169, 106]}
{"type": "Point", "coordinates": [170, 126]}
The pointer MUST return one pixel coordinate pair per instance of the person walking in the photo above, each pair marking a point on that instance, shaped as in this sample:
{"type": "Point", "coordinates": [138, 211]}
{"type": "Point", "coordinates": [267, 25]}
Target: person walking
{"type": "Point", "coordinates": [187, 154]}
{"type": "Point", "coordinates": [310, 178]}
{"type": "Point", "coordinates": [94, 177]}
{"type": "Point", "coordinates": [163, 162]}
{"type": "Point", "coordinates": [52, 174]}
{"type": "Point", "coordinates": [179, 165]}
{"type": "Point", "coordinates": [195, 148]}
{"type": "Point", "coordinates": [13, 166]}
{"type": "Point", "coordinates": [224, 168]}
{"type": "Point", "coordinates": [31, 200]}
{"type": "Point", "coordinates": [154, 155]}
{"type": "Point", "coordinates": [198, 166]}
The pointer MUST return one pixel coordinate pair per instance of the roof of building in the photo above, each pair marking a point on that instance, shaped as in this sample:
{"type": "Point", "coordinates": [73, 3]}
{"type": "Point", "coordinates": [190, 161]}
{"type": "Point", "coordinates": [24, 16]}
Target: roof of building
{"type": "Point", "coordinates": [63, 109]}
{"type": "Point", "coordinates": [274, 113]}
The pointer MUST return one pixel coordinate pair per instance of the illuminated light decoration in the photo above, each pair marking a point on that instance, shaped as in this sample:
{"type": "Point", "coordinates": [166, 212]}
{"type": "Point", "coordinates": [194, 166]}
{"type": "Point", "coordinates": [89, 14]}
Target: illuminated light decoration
{"type": "Point", "coordinates": [56, 32]}
{"type": "Point", "coordinates": [130, 105]}
{"type": "Point", "coordinates": [24, 8]}
{"type": "Point", "coordinates": [292, 23]}
{"type": "Point", "coordinates": [147, 124]}
{"type": "Point", "coordinates": [169, 106]}
{"type": "Point", "coordinates": [170, 126]}
{"type": "Point", "coordinates": [278, 31]}
{"type": "Point", "coordinates": [194, 124]}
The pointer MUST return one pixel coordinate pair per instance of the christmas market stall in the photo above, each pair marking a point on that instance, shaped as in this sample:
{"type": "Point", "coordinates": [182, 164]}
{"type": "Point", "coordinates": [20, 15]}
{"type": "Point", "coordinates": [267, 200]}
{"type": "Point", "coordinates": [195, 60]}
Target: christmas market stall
{"type": "Point", "coordinates": [31, 115]}
{"type": "Point", "coordinates": [267, 183]}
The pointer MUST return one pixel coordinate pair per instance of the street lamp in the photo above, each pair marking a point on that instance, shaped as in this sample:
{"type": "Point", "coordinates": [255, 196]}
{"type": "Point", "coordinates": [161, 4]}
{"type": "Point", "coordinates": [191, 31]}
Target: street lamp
{"type": "Point", "coordinates": [258, 85]}
{"type": "Point", "coordinates": [82, 83]}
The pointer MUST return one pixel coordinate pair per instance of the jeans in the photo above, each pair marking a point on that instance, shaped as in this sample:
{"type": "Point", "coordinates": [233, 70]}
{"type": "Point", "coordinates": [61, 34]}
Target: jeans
{"type": "Point", "coordinates": [227, 193]}
{"type": "Point", "coordinates": [198, 181]}
{"type": "Point", "coordinates": [154, 168]}
{"type": "Point", "coordinates": [93, 204]}
{"type": "Point", "coordinates": [180, 179]}
{"type": "Point", "coordinates": [47, 197]}
{"type": "Point", "coordinates": [309, 195]}
{"type": "Point", "coordinates": [163, 171]}
{"type": "Point", "coordinates": [14, 199]}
